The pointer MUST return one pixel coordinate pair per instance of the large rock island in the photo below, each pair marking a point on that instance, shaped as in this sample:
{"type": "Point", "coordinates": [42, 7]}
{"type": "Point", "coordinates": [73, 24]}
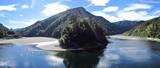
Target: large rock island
{"type": "Point", "coordinates": [84, 35]}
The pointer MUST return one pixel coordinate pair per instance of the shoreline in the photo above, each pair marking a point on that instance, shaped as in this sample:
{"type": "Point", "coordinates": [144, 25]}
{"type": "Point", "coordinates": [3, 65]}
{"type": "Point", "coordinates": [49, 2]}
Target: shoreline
{"type": "Point", "coordinates": [134, 38]}
{"type": "Point", "coordinates": [44, 43]}
{"type": "Point", "coordinates": [52, 44]}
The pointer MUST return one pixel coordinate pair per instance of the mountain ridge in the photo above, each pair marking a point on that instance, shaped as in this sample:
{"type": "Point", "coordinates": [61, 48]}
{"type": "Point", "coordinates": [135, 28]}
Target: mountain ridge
{"type": "Point", "coordinates": [51, 26]}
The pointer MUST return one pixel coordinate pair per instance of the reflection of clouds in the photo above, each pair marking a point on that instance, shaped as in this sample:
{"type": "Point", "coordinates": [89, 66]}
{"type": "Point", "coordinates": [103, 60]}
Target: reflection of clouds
{"type": "Point", "coordinates": [124, 53]}
{"type": "Point", "coordinates": [4, 63]}
{"type": "Point", "coordinates": [103, 63]}
{"type": "Point", "coordinates": [107, 61]}
{"type": "Point", "coordinates": [113, 57]}
{"type": "Point", "coordinates": [7, 63]}
{"type": "Point", "coordinates": [136, 54]}
{"type": "Point", "coordinates": [108, 58]}
{"type": "Point", "coordinates": [55, 62]}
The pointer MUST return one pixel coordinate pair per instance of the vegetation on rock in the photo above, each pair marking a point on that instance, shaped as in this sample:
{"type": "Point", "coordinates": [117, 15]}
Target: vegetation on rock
{"type": "Point", "coordinates": [83, 34]}
{"type": "Point", "coordinates": [7, 33]}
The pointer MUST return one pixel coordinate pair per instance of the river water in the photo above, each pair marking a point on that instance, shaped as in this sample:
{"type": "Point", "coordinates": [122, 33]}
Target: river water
{"type": "Point", "coordinates": [120, 53]}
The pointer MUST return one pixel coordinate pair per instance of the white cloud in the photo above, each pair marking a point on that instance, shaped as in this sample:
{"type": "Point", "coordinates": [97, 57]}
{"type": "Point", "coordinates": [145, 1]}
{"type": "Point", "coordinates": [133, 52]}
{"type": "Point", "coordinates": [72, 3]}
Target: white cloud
{"type": "Point", "coordinates": [8, 7]}
{"type": "Point", "coordinates": [132, 15]}
{"type": "Point", "coordinates": [110, 9]}
{"type": "Point", "coordinates": [54, 8]}
{"type": "Point", "coordinates": [157, 12]}
{"type": "Point", "coordinates": [99, 2]}
{"type": "Point", "coordinates": [137, 6]}
{"type": "Point", "coordinates": [128, 13]}
{"type": "Point", "coordinates": [107, 16]}
{"type": "Point", "coordinates": [24, 6]}
{"type": "Point", "coordinates": [125, 15]}
{"type": "Point", "coordinates": [19, 23]}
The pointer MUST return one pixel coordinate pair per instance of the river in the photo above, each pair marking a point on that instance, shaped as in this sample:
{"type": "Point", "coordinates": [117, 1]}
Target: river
{"type": "Point", "coordinates": [120, 53]}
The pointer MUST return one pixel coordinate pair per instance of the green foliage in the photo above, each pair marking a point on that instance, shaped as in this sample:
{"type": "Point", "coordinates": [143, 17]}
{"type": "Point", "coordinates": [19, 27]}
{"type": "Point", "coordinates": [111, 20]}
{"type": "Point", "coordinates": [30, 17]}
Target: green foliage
{"type": "Point", "coordinates": [150, 28]}
{"type": "Point", "coordinates": [82, 34]}
{"type": "Point", "coordinates": [3, 33]}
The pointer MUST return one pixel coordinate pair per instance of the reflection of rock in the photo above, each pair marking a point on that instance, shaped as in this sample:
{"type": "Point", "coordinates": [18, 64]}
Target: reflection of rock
{"type": "Point", "coordinates": [83, 34]}
{"type": "Point", "coordinates": [80, 60]}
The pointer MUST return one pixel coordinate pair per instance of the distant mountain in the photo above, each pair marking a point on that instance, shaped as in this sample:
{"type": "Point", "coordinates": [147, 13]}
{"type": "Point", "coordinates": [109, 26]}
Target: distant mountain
{"type": "Point", "coordinates": [55, 25]}
{"type": "Point", "coordinates": [3, 30]}
{"type": "Point", "coordinates": [150, 28]}
{"type": "Point", "coordinates": [126, 25]}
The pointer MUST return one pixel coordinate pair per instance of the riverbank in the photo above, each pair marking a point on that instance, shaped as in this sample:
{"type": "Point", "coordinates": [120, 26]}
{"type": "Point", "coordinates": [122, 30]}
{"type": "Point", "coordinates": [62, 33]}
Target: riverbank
{"type": "Point", "coordinates": [43, 43]}
{"type": "Point", "coordinates": [133, 38]}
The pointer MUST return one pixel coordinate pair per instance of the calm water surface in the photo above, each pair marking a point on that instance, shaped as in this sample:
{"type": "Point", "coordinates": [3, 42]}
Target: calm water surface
{"type": "Point", "coordinates": [118, 54]}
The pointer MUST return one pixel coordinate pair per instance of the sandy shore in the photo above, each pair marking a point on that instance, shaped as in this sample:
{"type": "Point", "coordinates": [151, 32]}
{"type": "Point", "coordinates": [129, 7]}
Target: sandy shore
{"type": "Point", "coordinates": [44, 43]}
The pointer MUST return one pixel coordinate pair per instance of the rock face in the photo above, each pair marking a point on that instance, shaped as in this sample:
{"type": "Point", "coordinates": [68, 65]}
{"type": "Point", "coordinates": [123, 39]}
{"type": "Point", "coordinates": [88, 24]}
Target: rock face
{"type": "Point", "coordinates": [84, 35]}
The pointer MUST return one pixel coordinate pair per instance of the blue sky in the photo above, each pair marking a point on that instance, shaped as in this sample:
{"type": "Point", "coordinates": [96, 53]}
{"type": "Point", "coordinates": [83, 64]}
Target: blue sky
{"type": "Point", "coordinates": [22, 13]}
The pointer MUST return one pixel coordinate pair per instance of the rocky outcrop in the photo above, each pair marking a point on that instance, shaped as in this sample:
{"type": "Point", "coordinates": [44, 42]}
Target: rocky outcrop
{"type": "Point", "coordinates": [83, 35]}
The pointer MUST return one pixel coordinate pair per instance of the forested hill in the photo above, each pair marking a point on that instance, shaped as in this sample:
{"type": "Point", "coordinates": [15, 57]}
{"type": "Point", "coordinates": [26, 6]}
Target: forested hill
{"type": "Point", "coordinates": [150, 28]}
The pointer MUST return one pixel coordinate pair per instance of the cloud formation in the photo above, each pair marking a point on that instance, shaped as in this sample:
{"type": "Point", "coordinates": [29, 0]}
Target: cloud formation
{"type": "Point", "coordinates": [137, 6]}
{"type": "Point", "coordinates": [133, 12]}
{"type": "Point", "coordinates": [8, 7]}
{"type": "Point", "coordinates": [110, 9]}
{"type": "Point", "coordinates": [133, 15]}
{"type": "Point", "coordinates": [157, 12]}
{"type": "Point", "coordinates": [99, 2]}
{"type": "Point", "coordinates": [111, 18]}
{"type": "Point", "coordinates": [20, 23]}
{"type": "Point", "coordinates": [54, 8]}
{"type": "Point", "coordinates": [24, 6]}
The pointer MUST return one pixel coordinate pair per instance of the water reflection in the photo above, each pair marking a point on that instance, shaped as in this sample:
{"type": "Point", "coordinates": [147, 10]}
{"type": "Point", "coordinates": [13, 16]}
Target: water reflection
{"type": "Point", "coordinates": [55, 62]}
{"type": "Point", "coordinates": [81, 59]}
{"type": "Point", "coordinates": [118, 54]}
{"type": "Point", "coordinates": [20, 56]}
{"type": "Point", "coordinates": [130, 54]}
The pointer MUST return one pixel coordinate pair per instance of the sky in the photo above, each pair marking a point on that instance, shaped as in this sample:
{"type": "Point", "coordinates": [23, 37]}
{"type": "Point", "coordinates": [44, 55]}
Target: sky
{"type": "Point", "coordinates": [22, 13]}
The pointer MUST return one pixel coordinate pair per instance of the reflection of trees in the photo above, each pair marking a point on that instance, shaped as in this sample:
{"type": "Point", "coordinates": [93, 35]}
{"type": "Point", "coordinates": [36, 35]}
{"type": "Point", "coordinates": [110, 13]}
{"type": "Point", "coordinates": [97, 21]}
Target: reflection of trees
{"type": "Point", "coordinates": [153, 45]}
{"type": "Point", "coordinates": [80, 60]}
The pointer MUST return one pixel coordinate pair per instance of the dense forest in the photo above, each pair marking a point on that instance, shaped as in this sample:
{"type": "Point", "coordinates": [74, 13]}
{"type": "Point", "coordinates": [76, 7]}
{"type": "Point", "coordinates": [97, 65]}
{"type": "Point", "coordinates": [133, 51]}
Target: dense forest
{"type": "Point", "coordinates": [150, 28]}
